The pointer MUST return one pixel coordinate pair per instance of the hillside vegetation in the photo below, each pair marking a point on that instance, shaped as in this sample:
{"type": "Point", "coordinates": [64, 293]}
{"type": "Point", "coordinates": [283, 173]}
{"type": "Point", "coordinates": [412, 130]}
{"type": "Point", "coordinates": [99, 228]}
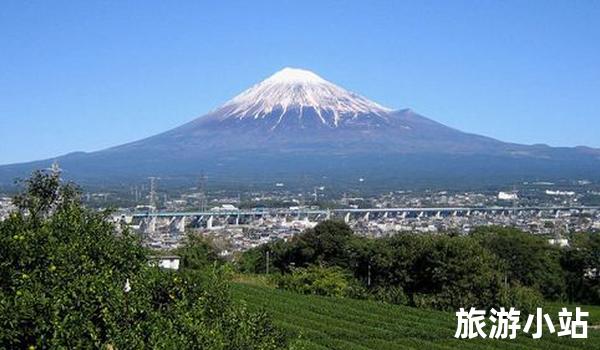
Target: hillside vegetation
{"type": "Point", "coordinates": [70, 280]}
{"type": "Point", "coordinates": [491, 267]}
{"type": "Point", "coordinates": [343, 323]}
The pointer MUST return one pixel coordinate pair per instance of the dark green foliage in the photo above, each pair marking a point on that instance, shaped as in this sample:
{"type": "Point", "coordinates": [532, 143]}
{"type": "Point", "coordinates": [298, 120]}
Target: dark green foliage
{"type": "Point", "coordinates": [443, 272]}
{"type": "Point", "coordinates": [453, 272]}
{"type": "Point", "coordinates": [328, 281]}
{"type": "Point", "coordinates": [198, 253]}
{"type": "Point", "coordinates": [527, 260]}
{"type": "Point", "coordinates": [255, 260]}
{"type": "Point", "coordinates": [435, 271]}
{"type": "Point", "coordinates": [581, 262]}
{"type": "Point", "coordinates": [494, 266]}
{"type": "Point", "coordinates": [327, 244]}
{"type": "Point", "coordinates": [63, 270]}
{"type": "Point", "coordinates": [524, 299]}
{"type": "Point", "coordinates": [392, 295]}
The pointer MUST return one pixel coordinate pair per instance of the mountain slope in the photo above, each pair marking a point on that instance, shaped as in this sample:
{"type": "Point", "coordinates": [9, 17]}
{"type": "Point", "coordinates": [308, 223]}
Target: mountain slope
{"type": "Point", "coordinates": [297, 123]}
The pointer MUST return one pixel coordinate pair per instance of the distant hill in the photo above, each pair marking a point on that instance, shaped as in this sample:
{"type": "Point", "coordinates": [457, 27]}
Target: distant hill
{"type": "Point", "coordinates": [296, 126]}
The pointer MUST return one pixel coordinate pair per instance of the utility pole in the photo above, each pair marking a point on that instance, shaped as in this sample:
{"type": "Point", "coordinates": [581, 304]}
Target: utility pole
{"type": "Point", "coordinates": [267, 267]}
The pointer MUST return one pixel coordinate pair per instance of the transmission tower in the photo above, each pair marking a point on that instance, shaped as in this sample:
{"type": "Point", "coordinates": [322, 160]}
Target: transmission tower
{"type": "Point", "coordinates": [153, 202]}
{"type": "Point", "coordinates": [201, 192]}
{"type": "Point", "coordinates": [55, 169]}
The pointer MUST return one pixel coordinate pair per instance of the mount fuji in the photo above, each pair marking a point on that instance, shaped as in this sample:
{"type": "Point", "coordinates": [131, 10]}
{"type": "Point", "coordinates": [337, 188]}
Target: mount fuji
{"type": "Point", "coordinates": [297, 125]}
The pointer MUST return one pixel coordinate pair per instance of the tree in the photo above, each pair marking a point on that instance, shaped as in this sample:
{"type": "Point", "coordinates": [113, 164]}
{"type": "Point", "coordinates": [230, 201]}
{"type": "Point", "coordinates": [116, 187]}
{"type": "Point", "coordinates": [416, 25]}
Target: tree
{"type": "Point", "coordinates": [581, 261]}
{"type": "Point", "coordinates": [327, 243]}
{"type": "Point", "coordinates": [452, 272]}
{"type": "Point", "coordinates": [281, 258]}
{"type": "Point", "coordinates": [528, 260]}
{"type": "Point", "coordinates": [198, 253]}
{"type": "Point", "coordinates": [63, 270]}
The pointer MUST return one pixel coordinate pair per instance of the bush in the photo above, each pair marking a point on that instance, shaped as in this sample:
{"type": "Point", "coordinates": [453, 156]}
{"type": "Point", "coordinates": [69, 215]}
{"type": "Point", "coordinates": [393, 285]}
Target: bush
{"type": "Point", "coordinates": [63, 270]}
{"type": "Point", "coordinates": [524, 299]}
{"type": "Point", "coordinates": [391, 295]}
{"type": "Point", "coordinates": [197, 253]}
{"type": "Point", "coordinates": [327, 281]}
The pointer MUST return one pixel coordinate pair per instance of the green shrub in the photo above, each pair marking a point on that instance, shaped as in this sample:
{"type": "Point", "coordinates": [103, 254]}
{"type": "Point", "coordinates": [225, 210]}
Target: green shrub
{"type": "Point", "coordinates": [524, 299]}
{"type": "Point", "coordinates": [327, 281]}
{"type": "Point", "coordinates": [63, 269]}
{"type": "Point", "coordinates": [391, 295]}
{"type": "Point", "coordinates": [197, 253]}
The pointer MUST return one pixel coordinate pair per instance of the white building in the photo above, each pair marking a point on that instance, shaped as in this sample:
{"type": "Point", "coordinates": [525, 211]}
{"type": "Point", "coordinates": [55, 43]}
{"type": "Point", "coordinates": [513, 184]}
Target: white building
{"type": "Point", "coordinates": [225, 207]}
{"type": "Point", "coordinates": [560, 193]}
{"type": "Point", "coordinates": [507, 196]}
{"type": "Point", "coordinates": [170, 262]}
{"type": "Point", "coordinates": [561, 242]}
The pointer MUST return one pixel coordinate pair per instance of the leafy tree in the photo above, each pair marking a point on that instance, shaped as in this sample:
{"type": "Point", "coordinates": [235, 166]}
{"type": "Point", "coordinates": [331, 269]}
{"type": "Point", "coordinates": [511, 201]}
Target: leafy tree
{"type": "Point", "coordinates": [528, 260]}
{"type": "Point", "coordinates": [581, 261]}
{"type": "Point", "coordinates": [453, 272]}
{"type": "Point", "coordinates": [493, 267]}
{"type": "Point", "coordinates": [442, 272]}
{"type": "Point", "coordinates": [44, 194]}
{"type": "Point", "coordinates": [280, 255]}
{"type": "Point", "coordinates": [198, 253]}
{"type": "Point", "coordinates": [326, 243]}
{"type": "Point", "coordinates": [388, 261]}
{"type": "Point", "coordinates": [63, 269]}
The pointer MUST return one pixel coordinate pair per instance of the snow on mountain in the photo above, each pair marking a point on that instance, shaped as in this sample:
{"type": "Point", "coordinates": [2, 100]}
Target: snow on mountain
{"type": "Point", "coordinates": [296, 123]}
{"type": "Point", "coordinates": [297, 90]}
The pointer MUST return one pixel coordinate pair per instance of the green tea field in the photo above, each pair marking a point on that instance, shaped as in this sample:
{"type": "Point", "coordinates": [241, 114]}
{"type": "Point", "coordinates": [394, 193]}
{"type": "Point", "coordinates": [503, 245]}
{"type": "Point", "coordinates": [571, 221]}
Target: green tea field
{"type": "Point", "coordinates": [333, 323]}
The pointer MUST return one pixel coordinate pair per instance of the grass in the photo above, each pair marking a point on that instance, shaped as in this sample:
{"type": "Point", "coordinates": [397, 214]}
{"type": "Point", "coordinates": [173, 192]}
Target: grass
{"type": "Point", "coordinates": [333, 323]}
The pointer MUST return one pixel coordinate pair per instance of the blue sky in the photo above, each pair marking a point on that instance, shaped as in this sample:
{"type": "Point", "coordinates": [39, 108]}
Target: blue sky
{"type": "Point", "coordinates": [86, 75]}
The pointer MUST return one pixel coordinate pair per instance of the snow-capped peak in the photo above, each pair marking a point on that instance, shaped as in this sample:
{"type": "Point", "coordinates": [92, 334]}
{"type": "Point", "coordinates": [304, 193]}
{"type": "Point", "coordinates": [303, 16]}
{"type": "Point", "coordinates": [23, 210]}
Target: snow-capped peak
{"type": "Point", "coordinates": [294, 76]}
{"type": "Point", "coordinates": [293, 89]}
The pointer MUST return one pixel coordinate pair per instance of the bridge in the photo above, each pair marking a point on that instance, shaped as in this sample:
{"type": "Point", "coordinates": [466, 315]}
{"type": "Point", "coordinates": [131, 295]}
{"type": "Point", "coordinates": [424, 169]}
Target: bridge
{"type": "Point", "coordinates": [177, 221]}
{"type": "Point", "coordinates": [278, 211]}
